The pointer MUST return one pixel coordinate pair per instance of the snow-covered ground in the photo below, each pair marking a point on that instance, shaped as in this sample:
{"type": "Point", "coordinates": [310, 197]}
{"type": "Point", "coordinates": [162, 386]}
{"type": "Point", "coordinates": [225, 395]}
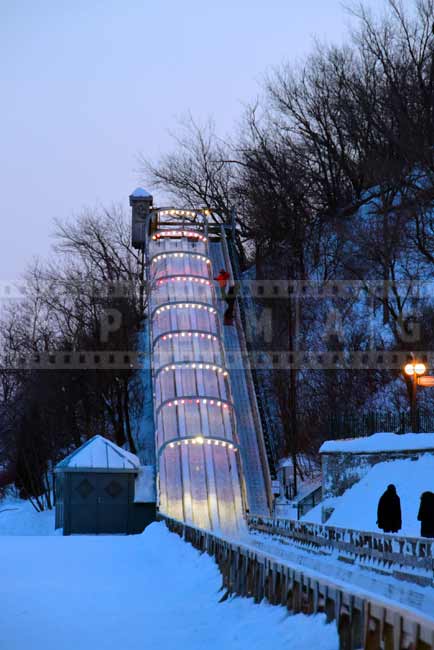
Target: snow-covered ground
{"type": "Point", "coordinates": [357, 507]}
{"type": "Point", "coordinates": [129, 593]}
{"type": "Point", "coordinates": [381, 442]}
{"type": "Point", "coordinates": [18, 517]}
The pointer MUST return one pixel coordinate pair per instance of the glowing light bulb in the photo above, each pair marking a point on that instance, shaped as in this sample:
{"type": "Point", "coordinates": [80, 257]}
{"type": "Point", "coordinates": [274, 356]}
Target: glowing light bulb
{"type": "Point", "coordinates": [420, 368]}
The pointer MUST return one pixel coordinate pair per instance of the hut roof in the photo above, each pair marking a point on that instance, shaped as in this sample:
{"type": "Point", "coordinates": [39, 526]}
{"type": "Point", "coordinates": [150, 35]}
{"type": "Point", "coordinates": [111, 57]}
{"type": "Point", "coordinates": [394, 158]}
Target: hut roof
{"type": "Point", "coordinates": [100, 453]}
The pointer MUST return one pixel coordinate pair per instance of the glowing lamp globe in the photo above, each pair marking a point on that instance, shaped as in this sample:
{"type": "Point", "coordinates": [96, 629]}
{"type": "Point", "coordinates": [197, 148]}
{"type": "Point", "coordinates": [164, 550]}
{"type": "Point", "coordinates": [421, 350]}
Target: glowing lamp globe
{"type": "Point", "coordinates": [420, 368]}
{"type": "Point", "coordinates": [409, 369]}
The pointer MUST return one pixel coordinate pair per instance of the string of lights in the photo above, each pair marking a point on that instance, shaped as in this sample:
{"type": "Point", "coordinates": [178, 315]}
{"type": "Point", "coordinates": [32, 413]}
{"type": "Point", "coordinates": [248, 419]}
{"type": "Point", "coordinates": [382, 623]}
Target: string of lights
{"type": "Point", "coordinates": [191, 234]}
{"type": "Point", "coordinates": [200, 279]}
{"type": "Point", "coordinates": [176, 334]}
{"type": "Point", "coordinates": [182, 400]}
{"type": "Point", "coordinates": [199, 440]}
{"type": "Point", "coordinates": [184, 305]}
{"type": "Point", "coordinates": [188, 365]}
{"type": "Point", "coordinates": [180, 254]}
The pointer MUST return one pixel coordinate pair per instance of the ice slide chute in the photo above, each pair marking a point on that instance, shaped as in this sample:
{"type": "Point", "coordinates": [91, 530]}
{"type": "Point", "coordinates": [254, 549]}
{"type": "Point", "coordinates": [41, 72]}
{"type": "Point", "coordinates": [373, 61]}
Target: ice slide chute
{"type": "Point", "coordinates": [211, 465]}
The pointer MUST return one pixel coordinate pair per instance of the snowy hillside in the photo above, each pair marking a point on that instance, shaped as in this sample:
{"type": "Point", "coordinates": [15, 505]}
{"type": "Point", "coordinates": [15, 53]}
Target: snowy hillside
{"type": "Point", "coordinates": [144, 591]}
{"type": "Point", "coordinates": [357, 507]}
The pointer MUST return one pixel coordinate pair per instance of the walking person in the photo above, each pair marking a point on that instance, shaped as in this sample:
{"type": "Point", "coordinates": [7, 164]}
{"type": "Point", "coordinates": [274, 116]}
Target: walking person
{"type": "Point", "coordinates": [389, 511]}
{"type": "Point", "coordinates": [426, 514]}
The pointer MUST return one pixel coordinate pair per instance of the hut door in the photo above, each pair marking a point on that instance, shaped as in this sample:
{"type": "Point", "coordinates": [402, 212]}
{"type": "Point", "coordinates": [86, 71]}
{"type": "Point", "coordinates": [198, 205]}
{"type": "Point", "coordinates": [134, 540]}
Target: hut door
{"type": "Point", "coordinates": [112, 503]}
{"type": "Point", "coordinates": [99, 503]}
{"type": "Point", "coordinates": [83, 508]}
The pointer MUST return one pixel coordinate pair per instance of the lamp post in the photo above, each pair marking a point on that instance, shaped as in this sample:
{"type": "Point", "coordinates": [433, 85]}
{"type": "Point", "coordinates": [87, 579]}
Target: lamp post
{"type": "Point", "coordinates": [414, 369]}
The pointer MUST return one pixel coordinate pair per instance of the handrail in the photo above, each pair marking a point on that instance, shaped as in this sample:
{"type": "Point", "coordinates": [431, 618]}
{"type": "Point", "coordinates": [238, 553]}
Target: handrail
{"type": "Point", "coordinates": [416, 552]}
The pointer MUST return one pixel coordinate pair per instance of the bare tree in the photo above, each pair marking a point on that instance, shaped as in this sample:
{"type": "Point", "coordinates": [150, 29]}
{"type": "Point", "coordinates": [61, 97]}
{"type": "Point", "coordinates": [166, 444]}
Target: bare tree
{"type": "Point", "coordinates": [65, 308]}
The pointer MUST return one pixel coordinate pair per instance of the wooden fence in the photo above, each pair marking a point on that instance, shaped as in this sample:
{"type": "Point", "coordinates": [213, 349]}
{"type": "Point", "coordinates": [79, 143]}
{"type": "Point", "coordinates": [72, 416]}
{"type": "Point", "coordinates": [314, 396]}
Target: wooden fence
{"type": "Point", "coordinates": [363, 623]}
{"type": "Point", "coordinates": [408, 558]}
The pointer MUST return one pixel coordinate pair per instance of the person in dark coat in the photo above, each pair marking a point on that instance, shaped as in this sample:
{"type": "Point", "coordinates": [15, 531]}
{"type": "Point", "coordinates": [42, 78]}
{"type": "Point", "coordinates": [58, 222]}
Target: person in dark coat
{"type": "Point", "coordinates": [389, 511]}
{"type": "Point", "coordinates": [228, 318]}
{"type": "Point", "coordinates": [426, 514]}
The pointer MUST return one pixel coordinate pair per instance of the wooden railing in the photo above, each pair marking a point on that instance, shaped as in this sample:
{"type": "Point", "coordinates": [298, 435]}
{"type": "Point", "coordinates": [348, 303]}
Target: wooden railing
{"type": "Point", "coordinates": [393, 553]}
{"type": "Point", "coordinates": [364, 622]}
{"type": "Point", "coordinates": [309, 501]}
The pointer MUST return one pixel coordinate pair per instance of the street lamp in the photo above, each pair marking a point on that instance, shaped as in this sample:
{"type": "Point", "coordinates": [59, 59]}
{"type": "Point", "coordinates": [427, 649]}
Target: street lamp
{"type": "Point", "coordinates": [414, 369]}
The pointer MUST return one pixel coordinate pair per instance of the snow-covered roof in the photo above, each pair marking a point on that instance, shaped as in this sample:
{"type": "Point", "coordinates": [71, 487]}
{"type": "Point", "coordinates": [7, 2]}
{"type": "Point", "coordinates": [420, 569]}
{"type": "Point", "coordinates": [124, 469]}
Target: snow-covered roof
{"type": "Point", "coordinates": [140, 193]}
{"type": "Point", "coordinates": [381, 442]}
{"type": "Point", "coordinates": [100, 453]}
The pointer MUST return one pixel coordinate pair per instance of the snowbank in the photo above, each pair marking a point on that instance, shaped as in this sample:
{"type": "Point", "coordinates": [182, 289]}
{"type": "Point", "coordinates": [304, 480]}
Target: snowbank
{"type": "Point", "coordinates": [144, 591]}
{"type": "Point", "coordinates": [357, 507]}
{"type": "Point", "coordinates": [18, 517]}
{"type": "Point", "coordinates": [381, 442]}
